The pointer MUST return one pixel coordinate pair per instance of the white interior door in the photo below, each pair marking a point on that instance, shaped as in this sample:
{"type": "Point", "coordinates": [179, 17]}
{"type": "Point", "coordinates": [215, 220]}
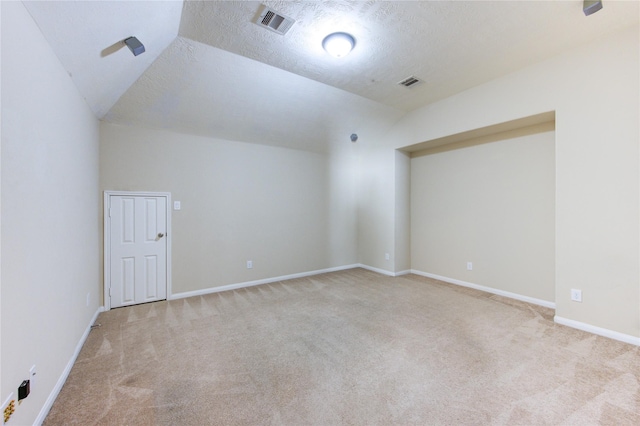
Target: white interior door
{"type": "Point", "coordinates": [138, 249]}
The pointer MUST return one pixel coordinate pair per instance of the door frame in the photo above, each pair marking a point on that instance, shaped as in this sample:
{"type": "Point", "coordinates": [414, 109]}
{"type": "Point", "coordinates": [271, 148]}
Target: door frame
{"type": "Point", "coordinates": [107, 239]}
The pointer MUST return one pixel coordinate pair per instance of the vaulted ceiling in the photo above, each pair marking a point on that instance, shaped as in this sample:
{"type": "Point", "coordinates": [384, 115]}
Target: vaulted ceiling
{"type": "Point", "coordinates": [209, 69]}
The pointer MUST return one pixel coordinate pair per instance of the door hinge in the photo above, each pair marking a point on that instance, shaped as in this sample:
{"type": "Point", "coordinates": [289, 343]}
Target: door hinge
{"type": "Point", "coordinates": [109, 291]}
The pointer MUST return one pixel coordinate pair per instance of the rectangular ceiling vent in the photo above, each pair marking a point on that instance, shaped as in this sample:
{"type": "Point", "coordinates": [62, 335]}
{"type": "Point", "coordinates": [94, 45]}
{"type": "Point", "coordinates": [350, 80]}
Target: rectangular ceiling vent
{"type": "Point", "coordinates": [274, 21]}
{"type": "Point", "coordinates": [411, 82]}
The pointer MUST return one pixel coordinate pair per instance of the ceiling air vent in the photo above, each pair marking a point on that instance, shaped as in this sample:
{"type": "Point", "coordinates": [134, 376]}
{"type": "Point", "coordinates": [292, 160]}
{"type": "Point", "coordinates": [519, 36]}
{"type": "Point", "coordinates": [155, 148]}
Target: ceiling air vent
{"type": "Point", "coordinates": [274, 21]}
{"type": "Point", "coordinates": [410, 81]}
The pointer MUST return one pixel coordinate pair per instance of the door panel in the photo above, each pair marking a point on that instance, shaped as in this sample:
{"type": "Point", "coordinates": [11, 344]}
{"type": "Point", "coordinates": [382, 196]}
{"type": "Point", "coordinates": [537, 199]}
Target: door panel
{"type": "Point", "coordinates": [150, 206]}
{"type": "Point", "coordinates": [128, 220]}
{"type": "Point", "coordinates": [151, 275]}
{"type": "Point", "coordinates": [138, 249]}
{"type": "Point", "coordinates": [128, 280]}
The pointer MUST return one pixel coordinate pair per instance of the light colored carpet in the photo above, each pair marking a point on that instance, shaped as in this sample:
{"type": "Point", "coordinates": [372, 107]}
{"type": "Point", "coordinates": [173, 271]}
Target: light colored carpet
{"type": "Point", "coordinates": [351, 347]}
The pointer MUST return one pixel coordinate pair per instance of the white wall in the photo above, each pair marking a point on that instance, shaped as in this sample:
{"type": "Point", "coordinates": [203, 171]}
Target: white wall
{"type": "Point", "coordinates": [286, 210]}
{"type": "Point", "coordinates": [49, 213]}
{"type": "Point", "coordinates": [594, 91]}
{"type": "Point", "coordinates": [489, 201]}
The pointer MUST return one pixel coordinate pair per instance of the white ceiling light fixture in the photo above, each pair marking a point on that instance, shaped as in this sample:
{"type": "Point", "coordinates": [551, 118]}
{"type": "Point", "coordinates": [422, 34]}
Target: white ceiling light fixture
{"type": "Point", "coordinates": [338, 45]}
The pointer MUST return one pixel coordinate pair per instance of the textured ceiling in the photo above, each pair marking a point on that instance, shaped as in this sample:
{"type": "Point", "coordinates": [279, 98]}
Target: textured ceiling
{"type": "Point", "coordinates": [194, 88]}
{"type": "Point", "coordinates": [452, 45]}
{"type": "Point", "coordinates": [210, 70]}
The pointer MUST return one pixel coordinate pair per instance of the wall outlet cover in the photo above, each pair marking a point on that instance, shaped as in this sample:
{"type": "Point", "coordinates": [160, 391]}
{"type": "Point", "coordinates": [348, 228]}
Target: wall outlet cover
{"type": "Point", "coordinates": [576, 295]}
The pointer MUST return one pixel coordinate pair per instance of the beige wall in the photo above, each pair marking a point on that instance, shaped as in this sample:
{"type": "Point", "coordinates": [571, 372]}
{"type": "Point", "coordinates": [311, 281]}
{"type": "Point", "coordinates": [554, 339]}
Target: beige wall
{"type": "Point", "coordinates": [489, 201]}
{"type": "Point", "coordinates": [290, 211]}
{"type": "Point", "coordinates": [376, 206]}
{"type": "Point", "coordinates": [49, 213]}
{"type": "Point", "coordinates": [594, 91]}
{"type": "Point", "coordinates": [240, 202]}
{"type": "Point", "coordinates": [402, 218]}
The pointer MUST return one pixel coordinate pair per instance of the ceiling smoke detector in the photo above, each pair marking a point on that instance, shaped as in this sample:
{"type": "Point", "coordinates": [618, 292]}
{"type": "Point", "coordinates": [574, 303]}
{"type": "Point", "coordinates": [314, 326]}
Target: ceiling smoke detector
{"type": "Point", "coordinates": [410, 81]}
{"type": "Point", "coordinates": [274, 21]}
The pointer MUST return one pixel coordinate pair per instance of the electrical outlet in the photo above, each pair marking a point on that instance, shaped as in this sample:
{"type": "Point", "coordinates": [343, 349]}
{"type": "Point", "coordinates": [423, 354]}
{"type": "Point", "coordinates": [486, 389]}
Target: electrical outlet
{"type": "Point", "coordinates": [576, 295]}
{"type": "Point", "coordinates": [249, 264]}
{"type": "Point", "coordinates": [469, 266]}
{"type": "Point", "coordinates": [386, 256]}
{"type": "Point", "coordinates": [32, 377]}
{"type": "Point", "coordinates": [177, 205]}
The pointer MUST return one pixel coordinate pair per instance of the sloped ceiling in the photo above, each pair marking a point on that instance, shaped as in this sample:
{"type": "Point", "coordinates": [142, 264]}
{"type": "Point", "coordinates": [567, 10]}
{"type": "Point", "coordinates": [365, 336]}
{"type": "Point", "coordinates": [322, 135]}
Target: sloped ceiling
{"type": "Point", "coordinates": [452, 45]}
{"type": "Point", "coordinates": [195, 88]}
{"type": "Point", "coordinates": [210, 70]}
{"type": "Point", "coordinates": [86, 36]}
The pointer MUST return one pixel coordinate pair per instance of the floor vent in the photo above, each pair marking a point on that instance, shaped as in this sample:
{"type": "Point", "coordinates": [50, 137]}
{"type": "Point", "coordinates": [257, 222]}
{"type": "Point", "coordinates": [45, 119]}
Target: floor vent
{"type": "Point", "coordinates": [410, 81]}
{"type": "Point", "coordinates": [274, 21]}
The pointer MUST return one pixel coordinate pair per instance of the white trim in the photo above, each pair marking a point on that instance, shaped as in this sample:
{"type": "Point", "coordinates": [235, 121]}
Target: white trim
{"type": "Point", "coordinates": [503, 293]}
{"type": "Point", "coordinates": [597, 330]}
{"type": "Point", "coordinates": [378, 270]}
{"type": "Point", "coordinates": [107, 239]}
{"type": "Point", "coordinates": [63, 377]}
{"type": "Point", "coordinates": [257, 282]}
{"type": "Point", "coordinates": [383, 271]}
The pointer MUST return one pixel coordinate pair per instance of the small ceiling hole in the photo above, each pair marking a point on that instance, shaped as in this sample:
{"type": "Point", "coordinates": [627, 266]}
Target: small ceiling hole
{"type": "Point", "coordinates": [410, 81]}
{"type": "Point", "coordinates": [274, 21]}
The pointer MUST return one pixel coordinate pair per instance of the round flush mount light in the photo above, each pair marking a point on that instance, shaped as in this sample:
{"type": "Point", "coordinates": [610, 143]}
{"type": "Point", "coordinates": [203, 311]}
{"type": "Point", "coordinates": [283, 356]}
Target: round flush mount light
{"type": "Point", "coordinates": [338, 45]}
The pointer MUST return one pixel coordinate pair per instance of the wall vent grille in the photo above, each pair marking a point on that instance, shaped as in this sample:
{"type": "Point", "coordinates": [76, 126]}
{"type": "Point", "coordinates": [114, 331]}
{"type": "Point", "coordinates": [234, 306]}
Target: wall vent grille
{"type": "Point", "coordinates": [274, 21]}
{"type": "Point", "coordinates": [410, 81]}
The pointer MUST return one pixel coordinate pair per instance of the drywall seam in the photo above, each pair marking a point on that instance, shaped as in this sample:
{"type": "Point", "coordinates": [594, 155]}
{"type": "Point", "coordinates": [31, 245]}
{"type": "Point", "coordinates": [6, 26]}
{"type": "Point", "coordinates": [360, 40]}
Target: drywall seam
{"type": "Point", "coordinates": [626, 338]}
{"type": "Point", "coordinates": [65, 373]}
{"type": "Point", "coordinates": [503, 293]}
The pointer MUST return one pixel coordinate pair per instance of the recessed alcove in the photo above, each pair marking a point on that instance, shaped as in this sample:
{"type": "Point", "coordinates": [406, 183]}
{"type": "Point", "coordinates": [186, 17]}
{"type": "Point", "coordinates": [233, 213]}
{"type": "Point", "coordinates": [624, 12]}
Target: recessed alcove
{"type": "Point", "coordinates": [486, 197]}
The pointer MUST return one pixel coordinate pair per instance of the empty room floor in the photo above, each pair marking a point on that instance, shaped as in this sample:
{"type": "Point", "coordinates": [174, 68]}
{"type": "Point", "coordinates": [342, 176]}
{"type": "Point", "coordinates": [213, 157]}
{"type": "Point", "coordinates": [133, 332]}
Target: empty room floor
{"type": "Point", "coordinates": [351, 347]}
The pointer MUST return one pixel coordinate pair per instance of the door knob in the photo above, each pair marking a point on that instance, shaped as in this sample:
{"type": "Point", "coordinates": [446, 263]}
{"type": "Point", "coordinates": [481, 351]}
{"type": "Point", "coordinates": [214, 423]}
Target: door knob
{"type": "Point", "coordinates": [160, 235]}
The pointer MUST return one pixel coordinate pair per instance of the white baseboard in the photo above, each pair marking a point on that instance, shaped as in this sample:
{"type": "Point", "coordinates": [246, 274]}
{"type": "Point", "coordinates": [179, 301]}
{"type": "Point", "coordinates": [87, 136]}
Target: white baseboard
{"type": "Point", "coordinates": [378, 270]}
{"type": "Point", "coordinates": [63, 377]}
{"type": "Point", "coordinates": [257, 282]}
{"type": "Point", "coordinates": [597, 330]}
{"type": "Point", "coordinates": [383, 271]}
{"type": "Point", "coordinates": [503, 293]}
